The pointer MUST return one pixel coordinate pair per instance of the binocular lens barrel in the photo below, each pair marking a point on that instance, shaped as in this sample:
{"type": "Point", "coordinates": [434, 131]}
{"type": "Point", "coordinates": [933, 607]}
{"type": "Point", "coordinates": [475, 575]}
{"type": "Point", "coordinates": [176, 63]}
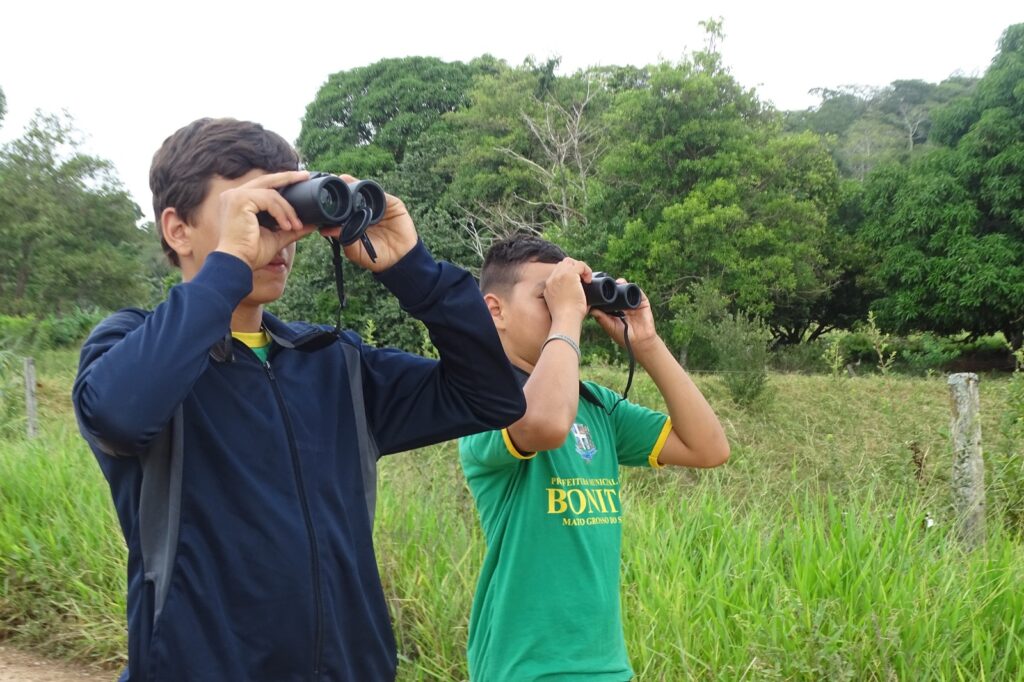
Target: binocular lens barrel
{"type": "Point", "coordinates": [604, 293]}
{"type": "Point", "coordinates": [326, 200]}
{"type": "Point", "coordinates": [631, 295]}
{"type": "Point", "coordinates": [601, 291]}
{"type": "Point", "coordinates": [369, 194]}
{"type": "Point", "coordinates": [323, 201]}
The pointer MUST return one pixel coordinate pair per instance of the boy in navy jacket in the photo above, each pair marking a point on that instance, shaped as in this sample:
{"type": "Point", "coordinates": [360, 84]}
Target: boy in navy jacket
{"type": "Point", "coordinates": [241, 450]}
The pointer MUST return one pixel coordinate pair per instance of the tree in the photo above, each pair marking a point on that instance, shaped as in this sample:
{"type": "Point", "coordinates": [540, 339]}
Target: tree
{"type": "Point", "coordinates": [362, 120]}
{"type": "Point", "coordinates": [949, 228]}
{"type": "Point", "coordinates": [701, 186]}
{"type": "Point", "coordinates": [68, 226]}
{"type": "Point", "coordinates": [867, 143]}
{"type": "Point", "coordinates": [871, 126]}
{"type": "Point", "coordinates": [382, 121]}
{"type": "Point", "coordinates": [839, 109]}
{"type": "Point", "coordinates": [527, 150]}
{"type": "Point", "coordinates": [906, 103]}
{"type": "Point", "coordinates": [760, 237]}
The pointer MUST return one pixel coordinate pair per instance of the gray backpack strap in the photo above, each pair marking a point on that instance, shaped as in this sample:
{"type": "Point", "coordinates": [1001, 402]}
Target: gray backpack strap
{"type": "Point", "coordinates": [160, 507]}
{"type": "Point", "coordinates": [368, 450]}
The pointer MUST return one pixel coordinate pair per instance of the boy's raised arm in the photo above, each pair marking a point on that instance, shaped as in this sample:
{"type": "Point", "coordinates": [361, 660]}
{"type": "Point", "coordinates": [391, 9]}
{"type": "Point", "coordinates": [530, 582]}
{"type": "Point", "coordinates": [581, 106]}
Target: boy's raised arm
{"type": "Point", "coordinates": [697, 438]}
{"type": "Point", "coordinates": [413, 401]}
{"type": "Point", "coordinates": [134, 371]}
{"type": "Point", "coordinates": [552, 391]}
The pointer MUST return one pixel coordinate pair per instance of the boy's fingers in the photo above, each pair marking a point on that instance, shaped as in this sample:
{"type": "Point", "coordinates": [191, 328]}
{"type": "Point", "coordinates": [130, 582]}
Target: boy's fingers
{"type": "Point", "coordinates": [272, 202]}
{"type": "Point", "coordinates": [286, 238]}
{"type": "Point", "coordinates": [275, 180]}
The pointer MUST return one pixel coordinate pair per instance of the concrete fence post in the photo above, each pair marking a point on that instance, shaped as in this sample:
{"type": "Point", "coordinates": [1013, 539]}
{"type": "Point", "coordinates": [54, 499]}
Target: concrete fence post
{"type": "Point", "coordinates": [32, 422]}
{"type": "Point", "coordinates": [968, 466]}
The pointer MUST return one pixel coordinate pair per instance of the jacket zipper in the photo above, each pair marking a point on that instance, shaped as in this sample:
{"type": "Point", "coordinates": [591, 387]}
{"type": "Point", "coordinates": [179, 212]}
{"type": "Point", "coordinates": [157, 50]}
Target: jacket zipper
{"type": "Point", "coordinates": [310, 531]}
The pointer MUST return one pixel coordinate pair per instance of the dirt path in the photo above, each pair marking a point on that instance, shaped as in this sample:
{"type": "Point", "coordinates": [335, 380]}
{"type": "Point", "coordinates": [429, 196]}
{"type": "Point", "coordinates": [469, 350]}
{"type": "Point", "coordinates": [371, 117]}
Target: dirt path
{"type": "Point", "coordinates": [18, 666]}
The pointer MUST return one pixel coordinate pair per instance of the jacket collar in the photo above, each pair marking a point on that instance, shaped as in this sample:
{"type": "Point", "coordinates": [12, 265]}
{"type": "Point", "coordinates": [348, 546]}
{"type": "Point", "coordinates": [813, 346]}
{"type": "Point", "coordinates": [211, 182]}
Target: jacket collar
{"type": "Point", "coordinates": [299, 336]}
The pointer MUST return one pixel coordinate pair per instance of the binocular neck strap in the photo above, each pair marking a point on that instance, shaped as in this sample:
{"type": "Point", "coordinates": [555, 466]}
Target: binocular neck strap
{"type": "Point", "coordinates": [632, 359]}
{"type": "Point", "coordinates": [339, 280]}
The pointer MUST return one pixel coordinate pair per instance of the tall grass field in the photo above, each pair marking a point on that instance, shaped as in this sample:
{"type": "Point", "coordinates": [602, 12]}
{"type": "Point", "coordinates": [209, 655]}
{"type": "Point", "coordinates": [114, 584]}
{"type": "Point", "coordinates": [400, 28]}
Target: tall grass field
{"type": "Point", "coordinates": [824, 550]}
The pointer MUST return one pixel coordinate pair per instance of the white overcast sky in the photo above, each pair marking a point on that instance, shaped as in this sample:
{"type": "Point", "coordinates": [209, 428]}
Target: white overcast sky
{"type": "Point", "coordinates": [130, 73]}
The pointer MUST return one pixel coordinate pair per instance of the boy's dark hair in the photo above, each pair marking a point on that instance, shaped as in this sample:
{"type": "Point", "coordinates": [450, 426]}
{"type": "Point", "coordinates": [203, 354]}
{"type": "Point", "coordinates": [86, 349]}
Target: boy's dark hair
{"type": "Point", "coordinates": [503, 260]}
{"type": "Point", "coordinates": [188, 159]}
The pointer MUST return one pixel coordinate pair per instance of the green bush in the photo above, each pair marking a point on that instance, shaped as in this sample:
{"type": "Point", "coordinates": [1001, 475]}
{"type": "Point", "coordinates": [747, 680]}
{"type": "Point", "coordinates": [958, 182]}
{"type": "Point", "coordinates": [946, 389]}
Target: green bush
{"type": "Point", "coordinates": [69, 330]}
{"type": "Point", "coordinates": [1007, 484]}
{"type": "Point", "coordinates": [16, 329]}
{"type": "Point", "coordinates": [695, 316]}
{"type": "Point", "coordinates": [856, 348]}
{"type": "Point", "coordinates": [920, 353]}
{"type": "Point", "coordinates": [30, 333]}
{"type": "Point", "coordinates": [806, 358]}
{"type": "Point", "coordinates": [741, 346]}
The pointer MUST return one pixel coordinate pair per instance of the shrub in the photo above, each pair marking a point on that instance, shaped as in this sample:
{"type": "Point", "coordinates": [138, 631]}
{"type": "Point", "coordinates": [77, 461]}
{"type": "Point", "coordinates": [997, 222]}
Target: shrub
{"type": "Point", "coordinates": [1007, 484]}
{"type": "Point", "coordinates": [30, 333]}
{"type": "Point", "coordinates": [15, 329]}
{"type": "Point", "coordinates": [696, 316]}
{"type": "Point", "coordinates": [926, 352]}
{"type": "Point", "coordinates": [68, 330]}
{"type": "Point", "coordinates": [807, 358]}
{"type": "Point", "coordinates": [741, 346]}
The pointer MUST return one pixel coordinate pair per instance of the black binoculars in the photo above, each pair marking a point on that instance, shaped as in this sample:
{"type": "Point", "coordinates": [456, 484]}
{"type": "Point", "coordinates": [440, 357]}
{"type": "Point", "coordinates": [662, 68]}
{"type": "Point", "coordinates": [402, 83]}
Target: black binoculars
{"type": "Point", "coordinates": [327, 201]}
{"type": "Point", "coordinates": [605, 294]}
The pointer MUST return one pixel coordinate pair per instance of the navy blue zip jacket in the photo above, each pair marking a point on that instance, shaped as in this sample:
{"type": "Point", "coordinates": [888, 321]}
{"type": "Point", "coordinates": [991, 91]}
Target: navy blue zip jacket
{"type": "Point", "coordinates": [245, 490]}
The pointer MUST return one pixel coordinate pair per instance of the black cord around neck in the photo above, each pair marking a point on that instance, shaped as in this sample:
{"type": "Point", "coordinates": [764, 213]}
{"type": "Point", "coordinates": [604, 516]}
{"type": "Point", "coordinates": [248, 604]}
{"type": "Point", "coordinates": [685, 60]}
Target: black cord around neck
{"type": "Point", "coordinates": [339, 280]}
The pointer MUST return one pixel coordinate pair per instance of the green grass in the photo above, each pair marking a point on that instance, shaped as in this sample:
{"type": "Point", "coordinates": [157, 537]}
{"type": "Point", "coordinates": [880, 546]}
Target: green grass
{"type": "Point", "coordinates": [804, 558]}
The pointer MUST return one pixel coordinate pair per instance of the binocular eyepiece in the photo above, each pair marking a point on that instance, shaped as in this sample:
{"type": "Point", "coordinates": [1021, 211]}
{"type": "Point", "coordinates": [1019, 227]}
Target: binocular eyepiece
{"type": "Point", "coordinates": [605, 294]}
{"type": "Point", "coordinates": [327, 201]}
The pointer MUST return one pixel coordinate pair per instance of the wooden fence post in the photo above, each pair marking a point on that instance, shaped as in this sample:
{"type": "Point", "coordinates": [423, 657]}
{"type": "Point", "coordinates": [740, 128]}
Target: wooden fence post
{"type": "Point", "coordinates": [32, 425]}
{"type": "Point", "coordinates": [968, 466]}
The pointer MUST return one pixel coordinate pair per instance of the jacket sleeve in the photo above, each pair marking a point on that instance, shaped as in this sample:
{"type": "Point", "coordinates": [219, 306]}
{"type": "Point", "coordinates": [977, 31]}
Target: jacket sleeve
{"type": "Point", "coordinates": [134, 369]}
{"type": "Point", "coordinates": [413, 401]}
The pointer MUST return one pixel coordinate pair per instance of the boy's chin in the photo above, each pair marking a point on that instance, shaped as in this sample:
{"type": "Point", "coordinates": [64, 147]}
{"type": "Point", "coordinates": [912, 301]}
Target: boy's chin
{"type": "Point", "coordinates": [264, 295]}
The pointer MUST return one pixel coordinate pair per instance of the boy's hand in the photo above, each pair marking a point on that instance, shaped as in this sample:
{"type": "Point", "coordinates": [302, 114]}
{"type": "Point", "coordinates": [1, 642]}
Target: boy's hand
{"type": "Point", "coordinates": [563, 292]}
{"type": "Point", "coordinates": [642, 332]}
{"type": "Point", "coordinates": [241, 234]}
{"type": "Point", "coordinates": [393, 237]}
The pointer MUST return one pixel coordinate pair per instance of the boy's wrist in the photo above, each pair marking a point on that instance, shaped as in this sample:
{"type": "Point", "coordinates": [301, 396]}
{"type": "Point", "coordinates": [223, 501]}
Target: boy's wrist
{"type": "Point", "coordinates": [650, 350]}
{"type": "Point", "coordinates": [226, 274]}
{"type": "Point", "coordinates": [229, 250]}
{"type": "Point", "coordinates": [563, 338]}
{"type": "Point", "coordinates": [567, 322]}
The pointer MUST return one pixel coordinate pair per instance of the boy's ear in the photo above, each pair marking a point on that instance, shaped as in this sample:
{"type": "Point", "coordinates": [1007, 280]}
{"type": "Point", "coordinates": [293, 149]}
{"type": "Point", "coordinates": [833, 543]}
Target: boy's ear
{"type": "Point", "coordinates": [495, 306]}
{"type": "Point", "coordinates": [175, 232]}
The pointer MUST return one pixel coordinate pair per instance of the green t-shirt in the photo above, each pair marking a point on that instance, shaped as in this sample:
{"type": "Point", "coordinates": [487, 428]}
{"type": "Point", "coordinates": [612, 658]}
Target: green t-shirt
{"type": "Point", "coordinates": [547, 602]}
{"type": "Point", "coordinates": [258, 342]}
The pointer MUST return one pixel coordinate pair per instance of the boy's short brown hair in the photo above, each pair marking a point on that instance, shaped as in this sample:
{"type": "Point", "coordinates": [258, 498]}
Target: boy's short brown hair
{"type": "Point", "coordinates": [505, 258]}
{"type": "Point", "coordinates": [183, 166]}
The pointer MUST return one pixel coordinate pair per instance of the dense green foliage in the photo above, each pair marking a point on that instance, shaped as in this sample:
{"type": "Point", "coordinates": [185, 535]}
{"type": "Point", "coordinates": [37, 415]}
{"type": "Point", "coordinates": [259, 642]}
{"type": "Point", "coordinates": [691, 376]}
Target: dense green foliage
{"type": "Point", "coordinates": [67, 225]}
{"type": "Point", "coordinates": [949, 225]}
{"type": "Point", "coordinates": [904, 200]}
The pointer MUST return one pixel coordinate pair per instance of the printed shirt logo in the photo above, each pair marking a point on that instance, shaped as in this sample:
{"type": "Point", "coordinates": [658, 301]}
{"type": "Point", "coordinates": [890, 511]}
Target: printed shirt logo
{"type": "Point", "coordinates": [584, 443]}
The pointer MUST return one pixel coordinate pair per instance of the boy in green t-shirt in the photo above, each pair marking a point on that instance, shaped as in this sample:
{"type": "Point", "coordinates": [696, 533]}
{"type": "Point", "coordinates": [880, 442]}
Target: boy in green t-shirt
{"type": "Point", "coordinates": [547, 487]}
